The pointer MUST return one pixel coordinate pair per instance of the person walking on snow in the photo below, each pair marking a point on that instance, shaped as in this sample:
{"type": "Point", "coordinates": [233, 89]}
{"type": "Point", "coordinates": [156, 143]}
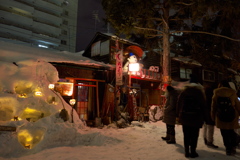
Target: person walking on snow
{"type": "Point", "coordinates": [169, 116]}
{"type": "Point", "coordinates": [226, 128]}
{"type": "Point", "coordinates": [191, 111]}
{"type": "Point", "coordinates": [208, 126]}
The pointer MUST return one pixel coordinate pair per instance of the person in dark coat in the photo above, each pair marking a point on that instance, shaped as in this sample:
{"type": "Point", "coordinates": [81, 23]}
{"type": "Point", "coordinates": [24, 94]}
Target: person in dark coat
{"type": "Point", "coordinates": [191, 111]}
{"type": "Point", "coordinates": [227, 128]}
{"type": "Point", "coordinates": [209, 125]}
{"type": "Point", "coordinates": [169, 116]}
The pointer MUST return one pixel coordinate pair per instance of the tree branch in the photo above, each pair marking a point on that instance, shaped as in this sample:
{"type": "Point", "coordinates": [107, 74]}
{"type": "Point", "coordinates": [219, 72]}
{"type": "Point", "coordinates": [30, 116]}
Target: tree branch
{"type": "Point", "coordinates": [165, 22]}
{"type": "Point", "coordinates": [202, 32]}
{"type": "Point", "coordinates": [186, 4]}
{"type": "Point", "coordinates": [155, 35]}
{"type": "Point", "coordinates": [150, 29]}
{"type": "Point", "coordinates": [157, 19]}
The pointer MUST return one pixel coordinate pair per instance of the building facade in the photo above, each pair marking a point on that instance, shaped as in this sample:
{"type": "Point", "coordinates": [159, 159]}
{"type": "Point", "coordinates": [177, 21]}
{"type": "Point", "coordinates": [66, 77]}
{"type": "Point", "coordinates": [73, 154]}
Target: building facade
{"type": "Point", "coordinates": [43, 23]}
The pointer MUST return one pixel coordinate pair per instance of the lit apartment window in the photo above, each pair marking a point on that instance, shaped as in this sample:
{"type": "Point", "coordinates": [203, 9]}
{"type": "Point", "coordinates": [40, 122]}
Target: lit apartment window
{"type": "Point", "coordinates": [64, 42]}
{"type": "Point", "coordinates": [185, 73]}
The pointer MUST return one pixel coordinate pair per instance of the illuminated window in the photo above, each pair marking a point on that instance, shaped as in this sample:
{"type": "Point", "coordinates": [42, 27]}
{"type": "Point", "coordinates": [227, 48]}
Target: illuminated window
{"type": "Point", "coordinates": [208, 75]}
{"type": "Point", "coordinates": [185, 73]}
{"type": "Point", "coordinates": [64, 88]}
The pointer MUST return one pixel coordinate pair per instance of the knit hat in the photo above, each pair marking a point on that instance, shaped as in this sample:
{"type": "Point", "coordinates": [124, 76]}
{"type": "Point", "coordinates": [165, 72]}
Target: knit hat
{"type": "Point", "coordinates": [193, 78]}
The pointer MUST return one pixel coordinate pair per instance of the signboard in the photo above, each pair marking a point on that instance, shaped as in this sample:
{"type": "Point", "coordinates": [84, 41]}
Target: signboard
{"type": "Point", "coordinates": [147, 74]}
{"type": "Point", "coordinates": [119, 60]}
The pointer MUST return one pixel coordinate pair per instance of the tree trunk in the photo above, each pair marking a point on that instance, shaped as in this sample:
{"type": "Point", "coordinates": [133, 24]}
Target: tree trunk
{"type": "Point", "coordinates": [166, 73]}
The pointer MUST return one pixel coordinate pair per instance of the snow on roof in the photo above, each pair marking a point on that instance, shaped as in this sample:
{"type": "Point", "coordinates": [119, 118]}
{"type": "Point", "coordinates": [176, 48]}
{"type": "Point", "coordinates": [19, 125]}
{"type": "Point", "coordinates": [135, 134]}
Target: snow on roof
{"type": "Point", "coordinates": [10, 52]}
{"type": "Point", "coordinates": [233, 71]}
{"type": "Point", "coordinates": [187, 60]}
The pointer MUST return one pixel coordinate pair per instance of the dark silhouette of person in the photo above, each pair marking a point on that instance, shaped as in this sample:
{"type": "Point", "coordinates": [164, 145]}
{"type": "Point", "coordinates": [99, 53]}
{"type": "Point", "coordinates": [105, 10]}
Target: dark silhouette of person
{"type": "Point", "coordinates": [169, 116]}
{"type": "Point", "coordinates": [191, 111]}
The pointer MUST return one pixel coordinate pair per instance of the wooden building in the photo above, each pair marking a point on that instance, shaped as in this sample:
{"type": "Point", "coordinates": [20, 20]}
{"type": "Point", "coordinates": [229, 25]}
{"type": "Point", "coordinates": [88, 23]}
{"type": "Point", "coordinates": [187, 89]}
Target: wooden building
{"type": "Point", "coordinates": [143, 85]}
{"type": "Point", "coordinates": [84, 83]}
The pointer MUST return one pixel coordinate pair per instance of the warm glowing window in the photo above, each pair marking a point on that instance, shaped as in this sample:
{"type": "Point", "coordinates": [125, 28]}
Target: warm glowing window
{"type": "Point", "coordinates": [64, 88]}
{"type": "Point", "coordinates": [185, 73]}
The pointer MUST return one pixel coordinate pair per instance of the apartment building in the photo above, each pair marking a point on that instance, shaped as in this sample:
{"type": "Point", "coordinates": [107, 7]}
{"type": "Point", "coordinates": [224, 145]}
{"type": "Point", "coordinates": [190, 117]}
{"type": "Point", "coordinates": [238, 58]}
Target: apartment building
{"type": "Point", "coordinates": [49, 24]}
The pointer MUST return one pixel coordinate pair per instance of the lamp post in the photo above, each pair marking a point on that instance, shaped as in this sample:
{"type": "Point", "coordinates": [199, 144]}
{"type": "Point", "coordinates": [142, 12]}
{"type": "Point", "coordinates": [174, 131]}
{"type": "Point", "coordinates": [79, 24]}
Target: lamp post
{"type": "Point", "coordinates": [72, 103]}
{"type": "Point", "coordinates": [133, 68]}
{"type": "Point", "coordinates": [51, 87]}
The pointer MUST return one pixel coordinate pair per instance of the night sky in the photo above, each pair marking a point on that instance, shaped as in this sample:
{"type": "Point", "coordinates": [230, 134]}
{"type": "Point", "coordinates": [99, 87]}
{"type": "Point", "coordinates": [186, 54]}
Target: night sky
{"type": "Point", "coordinates": [86, 22]}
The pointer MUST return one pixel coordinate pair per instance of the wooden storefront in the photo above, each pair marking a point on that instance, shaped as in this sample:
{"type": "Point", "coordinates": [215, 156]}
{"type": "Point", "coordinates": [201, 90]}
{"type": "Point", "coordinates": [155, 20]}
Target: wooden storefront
{"type": "Point", "coordinates": [88, 84]}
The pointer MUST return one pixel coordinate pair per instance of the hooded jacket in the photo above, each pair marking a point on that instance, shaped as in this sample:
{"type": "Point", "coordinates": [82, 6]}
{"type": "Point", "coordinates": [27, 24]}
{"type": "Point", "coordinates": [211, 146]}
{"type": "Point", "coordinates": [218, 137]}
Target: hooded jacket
{"type": "Point", "coordinates": [225, 92]}
{"type": "Point", "coordinates": [169, 116]}
{"type": "Point", "coordinates": [195, 93]}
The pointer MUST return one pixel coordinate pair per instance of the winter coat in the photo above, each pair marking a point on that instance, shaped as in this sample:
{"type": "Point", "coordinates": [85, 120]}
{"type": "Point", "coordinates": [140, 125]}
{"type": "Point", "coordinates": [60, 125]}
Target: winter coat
{"type": "Point", "coordinates": [191, 106]}
{"type": "Point", "coordinates": [225, 92]}
{"type": "Point", "coordinates": [169, 116]}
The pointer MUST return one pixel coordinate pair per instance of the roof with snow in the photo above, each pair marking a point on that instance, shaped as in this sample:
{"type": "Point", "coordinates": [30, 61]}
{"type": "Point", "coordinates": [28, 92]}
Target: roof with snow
{"type": "Point", "coordinates": [187, 60]}
{"type": "Point", "coordinates": [10, 52]}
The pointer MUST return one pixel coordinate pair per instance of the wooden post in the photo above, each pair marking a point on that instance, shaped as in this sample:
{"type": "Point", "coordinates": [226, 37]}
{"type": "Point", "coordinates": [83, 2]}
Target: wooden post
{"type": "Point", "coordinates": [98, 114]}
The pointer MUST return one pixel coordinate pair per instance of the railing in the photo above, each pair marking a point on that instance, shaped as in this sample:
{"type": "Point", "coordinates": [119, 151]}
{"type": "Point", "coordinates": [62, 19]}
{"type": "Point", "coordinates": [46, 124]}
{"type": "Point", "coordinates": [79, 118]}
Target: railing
{"type": "Point", "coordinates": [147, 74]}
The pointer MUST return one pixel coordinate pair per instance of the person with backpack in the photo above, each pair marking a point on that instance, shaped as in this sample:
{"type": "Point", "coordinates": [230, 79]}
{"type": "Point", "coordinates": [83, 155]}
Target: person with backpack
{"type": "Point", "coordinates": [225, 111]}
{"type": "Point", "coordinates": [169, 116]}
{"type": "Point", "coordinates": [191, 111]}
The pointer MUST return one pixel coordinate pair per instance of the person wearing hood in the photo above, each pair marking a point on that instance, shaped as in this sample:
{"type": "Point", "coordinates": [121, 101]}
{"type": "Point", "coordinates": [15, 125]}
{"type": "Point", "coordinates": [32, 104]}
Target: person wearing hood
{"type": "Point", "coordinates": [191, 112]}
{"type": "Point", "coordinates": [226, 128]}
{"type": "Point", "coordinates": [169, 116]}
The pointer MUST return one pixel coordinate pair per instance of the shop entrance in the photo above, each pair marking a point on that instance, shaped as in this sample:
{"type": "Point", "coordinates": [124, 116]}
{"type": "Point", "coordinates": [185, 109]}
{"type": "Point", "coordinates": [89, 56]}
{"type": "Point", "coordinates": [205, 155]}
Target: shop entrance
{"type": "Point", "coordinates": [82, 100]}
{"type": "Point", "coordinates": [87, 96]}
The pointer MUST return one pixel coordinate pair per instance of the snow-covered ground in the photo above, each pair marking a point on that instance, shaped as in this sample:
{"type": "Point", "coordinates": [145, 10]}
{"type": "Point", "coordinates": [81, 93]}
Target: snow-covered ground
{"type": "Point", "coordinates": [140, 141]}
{"type": "Point", "coordinates": [42, 134]}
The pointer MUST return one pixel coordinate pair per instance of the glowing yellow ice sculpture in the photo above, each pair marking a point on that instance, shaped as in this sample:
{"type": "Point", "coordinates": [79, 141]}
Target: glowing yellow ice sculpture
{"type": "Point", "coordinates": [30, 138]}
{"type": "Point", "coordinates": [23, 88]}
{"type": "Point", "coordinates": [31, 114]}
{"type": "Point", "coordinates": [7, 108]}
